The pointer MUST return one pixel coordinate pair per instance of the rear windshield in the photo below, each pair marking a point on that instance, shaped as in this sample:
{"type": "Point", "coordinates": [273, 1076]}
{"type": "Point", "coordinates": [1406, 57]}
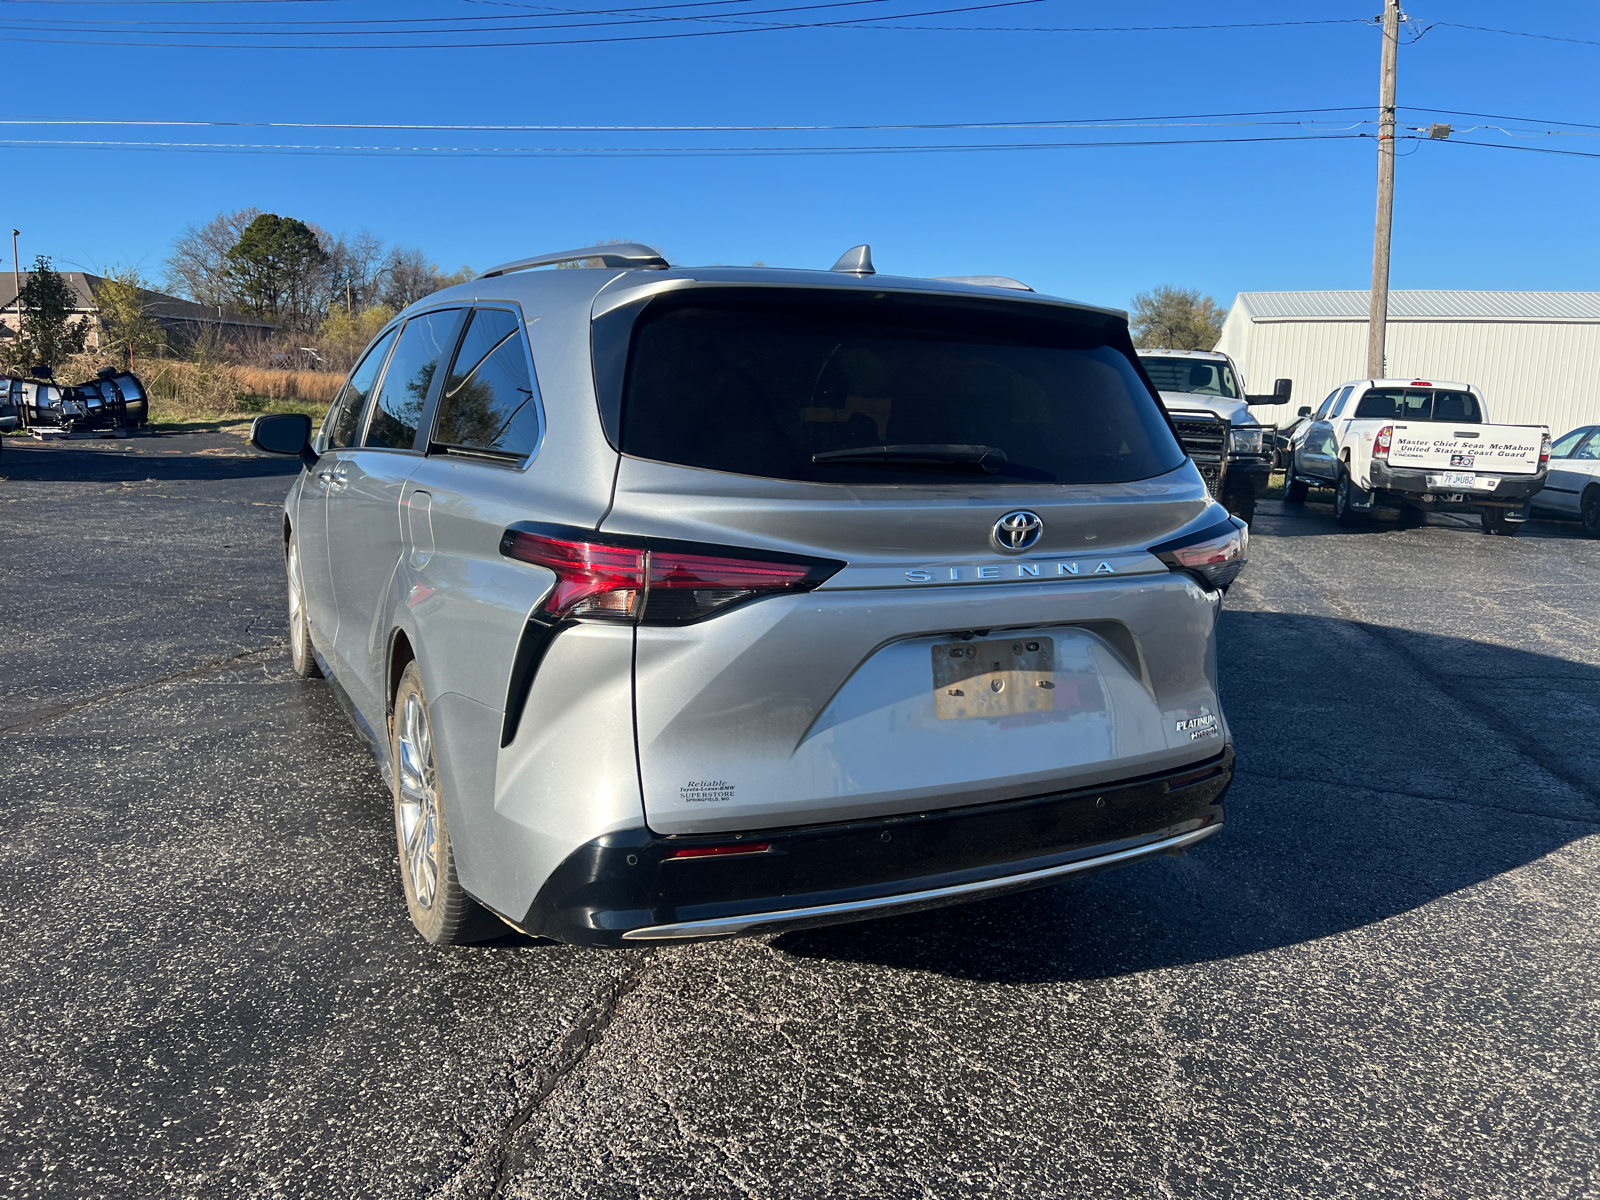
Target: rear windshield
{"type": "Point", "coordinates": [1198, 376]}
{"type": "Point", "coordinates": [759, 385]}
{"type": "Point", "coordinates": [1420, 404]}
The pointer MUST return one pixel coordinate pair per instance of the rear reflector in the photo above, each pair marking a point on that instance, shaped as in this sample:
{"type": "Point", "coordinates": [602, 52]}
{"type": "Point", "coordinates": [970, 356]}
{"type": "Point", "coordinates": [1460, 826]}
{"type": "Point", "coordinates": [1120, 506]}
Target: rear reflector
{"type": "Point", "coordinates": [719, 851]}
{"type": "Point", "coordinates": [657, 582]}
{"type": "Point", "coordinates": [1183, 781]}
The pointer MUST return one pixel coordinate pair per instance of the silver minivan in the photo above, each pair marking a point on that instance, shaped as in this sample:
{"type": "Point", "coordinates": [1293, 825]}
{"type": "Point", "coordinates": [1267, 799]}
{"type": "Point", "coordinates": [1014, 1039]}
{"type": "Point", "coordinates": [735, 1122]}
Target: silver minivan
{"type": "Point", "coordinates": [683, 603]}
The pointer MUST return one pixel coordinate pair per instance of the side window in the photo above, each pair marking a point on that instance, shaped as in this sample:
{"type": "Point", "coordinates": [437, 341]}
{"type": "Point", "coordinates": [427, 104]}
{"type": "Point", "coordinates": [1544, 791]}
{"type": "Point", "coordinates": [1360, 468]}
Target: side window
{"type": "Point", "coordinates": [490, 401]}
{"type": "Point", "coordinates": [1338, 405]}
{"type": "Point", "coordinates": [398, 407]}
{"type": "Point", "coordinates": [1322, 409]}
{"type": "Point", "coordinates": [343, 422]}
{"type": "Point", "coordinates": [1567, 443]}
{"type": "Point", "coordinates": [1590, 450]}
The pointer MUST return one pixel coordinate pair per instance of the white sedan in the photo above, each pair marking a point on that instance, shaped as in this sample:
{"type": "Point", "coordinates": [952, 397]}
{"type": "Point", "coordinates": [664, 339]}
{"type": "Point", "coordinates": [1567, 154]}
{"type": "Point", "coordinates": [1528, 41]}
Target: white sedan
{"type": "Point", "coordinates": [1573, 488]}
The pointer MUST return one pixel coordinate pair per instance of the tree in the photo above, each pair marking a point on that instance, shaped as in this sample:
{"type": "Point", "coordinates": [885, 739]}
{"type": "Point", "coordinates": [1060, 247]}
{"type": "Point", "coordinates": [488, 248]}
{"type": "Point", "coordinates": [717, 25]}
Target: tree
{"type": "Point", "coordinates": [344, 335]}
{"type": "Point", "coordinates": [277, 267]}
{"type": "Point", "coordinates": [408, 276]}
{"type": "Point", "coordinates": [198, 266]}
{"type": "Point", "coordinates": [355, 270]}
{"type": "Point", "coordinates": [49, 333]}
{"type": "Point", "coordinates": [1174, 318]}
{"type": "Point", "coordinates": [126, 326]}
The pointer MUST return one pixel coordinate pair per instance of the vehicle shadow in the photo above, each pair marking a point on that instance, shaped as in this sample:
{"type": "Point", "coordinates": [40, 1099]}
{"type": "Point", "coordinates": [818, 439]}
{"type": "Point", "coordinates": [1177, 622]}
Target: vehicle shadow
{"type": "Point", "coordinates": [1342, 813]}
{"type": "Point", "coordinates": [181, 459]}
{"type": "Point", "coordinates": [1314, 518]}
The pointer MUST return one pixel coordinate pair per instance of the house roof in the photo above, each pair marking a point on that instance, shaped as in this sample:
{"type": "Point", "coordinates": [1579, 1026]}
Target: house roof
{"type": "Point", "coordinates": [159, 305]}
{"type": "Point", "coordinates": [1422, 305]}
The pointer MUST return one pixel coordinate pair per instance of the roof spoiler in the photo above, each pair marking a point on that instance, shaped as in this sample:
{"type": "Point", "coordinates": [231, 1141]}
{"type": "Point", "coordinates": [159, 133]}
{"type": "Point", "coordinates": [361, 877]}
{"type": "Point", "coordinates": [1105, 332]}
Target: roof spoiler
{"type": "Point", "coordinates": [999, 281]}
{"type": "Point", "coordinates": [626, 254]}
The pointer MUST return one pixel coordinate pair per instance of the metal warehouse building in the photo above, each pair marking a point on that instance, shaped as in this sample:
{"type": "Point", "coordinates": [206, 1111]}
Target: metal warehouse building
{"type": "Point", "coordinates": [1535, 355]}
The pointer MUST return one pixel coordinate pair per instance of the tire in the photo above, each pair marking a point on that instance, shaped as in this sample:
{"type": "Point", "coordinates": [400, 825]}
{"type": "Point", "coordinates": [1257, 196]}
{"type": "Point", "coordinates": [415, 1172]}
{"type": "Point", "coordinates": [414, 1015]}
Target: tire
{"type": "Point", "coordinates": [1497, 523]}
{"type": "Point", "coordinates": [1591, 512]}
{"type": "Point", "coordinates": [301, 656]}
{"type": "Point", "coordinates": [1342, 495]}
{"type": "Point", "coordinates": [443, 914]}
{"type": "Point", "coordinates": [1294, 488]}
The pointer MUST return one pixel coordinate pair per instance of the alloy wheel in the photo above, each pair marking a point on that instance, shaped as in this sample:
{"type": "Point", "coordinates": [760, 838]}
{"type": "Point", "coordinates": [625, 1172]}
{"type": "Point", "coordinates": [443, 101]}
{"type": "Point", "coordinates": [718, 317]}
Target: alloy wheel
{"type": "Point", "coordinates": [297, 621]}
{"type": "Point", "coordinates": [419, 801]}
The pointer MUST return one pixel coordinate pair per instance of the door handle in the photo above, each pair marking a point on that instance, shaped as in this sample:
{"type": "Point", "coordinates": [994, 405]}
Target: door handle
{"type": "Point", "coordinates": [335, 478]}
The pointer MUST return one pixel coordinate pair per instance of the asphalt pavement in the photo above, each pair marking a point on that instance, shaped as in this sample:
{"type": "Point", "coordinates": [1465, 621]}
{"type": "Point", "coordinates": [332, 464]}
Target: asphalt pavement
{"type": "Point", "coordinates": [1381, 979]}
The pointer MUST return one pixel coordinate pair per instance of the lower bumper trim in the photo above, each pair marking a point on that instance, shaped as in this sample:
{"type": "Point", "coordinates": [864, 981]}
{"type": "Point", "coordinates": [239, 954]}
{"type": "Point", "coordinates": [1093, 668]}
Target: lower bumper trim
{"type": "Point", "coordinates": [733, 926]}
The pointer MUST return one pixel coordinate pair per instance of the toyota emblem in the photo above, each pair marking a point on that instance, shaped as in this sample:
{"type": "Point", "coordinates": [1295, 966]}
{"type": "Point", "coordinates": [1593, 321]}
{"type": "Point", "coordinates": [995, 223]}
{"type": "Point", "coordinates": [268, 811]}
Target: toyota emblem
{"type": "Point", "coordinates": [1016, 531]}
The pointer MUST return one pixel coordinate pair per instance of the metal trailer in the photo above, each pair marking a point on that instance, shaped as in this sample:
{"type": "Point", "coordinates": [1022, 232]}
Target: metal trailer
{"type": "Point", "coordinates": [112, 402]}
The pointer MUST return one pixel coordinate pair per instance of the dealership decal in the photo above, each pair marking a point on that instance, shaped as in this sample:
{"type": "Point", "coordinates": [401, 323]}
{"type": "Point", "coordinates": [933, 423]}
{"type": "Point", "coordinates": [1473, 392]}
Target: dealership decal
{"type": "Point", "coordinates": [698, 791]}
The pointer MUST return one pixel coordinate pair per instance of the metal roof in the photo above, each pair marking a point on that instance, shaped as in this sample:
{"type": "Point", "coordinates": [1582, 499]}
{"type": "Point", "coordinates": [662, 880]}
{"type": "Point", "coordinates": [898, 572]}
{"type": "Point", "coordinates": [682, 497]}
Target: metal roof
{"type": "Point", "coordinates": [1423, 305]}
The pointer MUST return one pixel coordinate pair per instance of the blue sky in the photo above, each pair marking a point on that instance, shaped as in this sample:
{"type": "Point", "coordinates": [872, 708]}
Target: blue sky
{"type": "Point", "coordinates": [1094, 224]}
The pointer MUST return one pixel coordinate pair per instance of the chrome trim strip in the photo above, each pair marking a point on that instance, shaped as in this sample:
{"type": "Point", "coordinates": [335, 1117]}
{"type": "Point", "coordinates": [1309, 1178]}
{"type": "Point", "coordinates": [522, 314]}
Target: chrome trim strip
{"type": "Point", "coordinates": [884, 905]}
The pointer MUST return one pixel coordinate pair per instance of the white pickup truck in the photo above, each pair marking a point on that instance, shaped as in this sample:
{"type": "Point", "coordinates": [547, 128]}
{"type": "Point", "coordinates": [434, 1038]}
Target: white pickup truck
{"type": "Point", "coordinates": [1416, 444]}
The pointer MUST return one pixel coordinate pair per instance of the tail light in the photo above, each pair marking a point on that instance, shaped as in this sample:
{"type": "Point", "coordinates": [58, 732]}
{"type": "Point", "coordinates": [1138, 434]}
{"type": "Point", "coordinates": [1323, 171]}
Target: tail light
{"type": "Point", "coordinates": [1380, 444]}
{"type": "Point", "coordinates": [1215, 555]}
{"type": "Point", "coordinates": [1544, 452]}
{"type": "Point", "coordinates": [652, 581]}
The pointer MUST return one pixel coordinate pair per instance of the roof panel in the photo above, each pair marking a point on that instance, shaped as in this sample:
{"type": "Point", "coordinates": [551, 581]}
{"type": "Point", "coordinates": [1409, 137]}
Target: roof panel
{"type": "Point", "coordinates": [1425, 304]}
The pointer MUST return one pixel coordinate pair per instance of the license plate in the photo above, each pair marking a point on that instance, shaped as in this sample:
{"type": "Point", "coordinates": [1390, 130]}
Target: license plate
{"type": "Point", "coordinates": [999, 678]}
{"type": "Point", "coordinates": [1453, 480]}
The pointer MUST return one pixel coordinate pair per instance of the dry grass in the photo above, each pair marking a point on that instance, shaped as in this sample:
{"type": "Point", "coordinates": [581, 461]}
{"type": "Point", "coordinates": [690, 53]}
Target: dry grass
{"type": "Point", "coordinates": [183, 392]}
{"type": "Point", "coordinates": [315, 387]}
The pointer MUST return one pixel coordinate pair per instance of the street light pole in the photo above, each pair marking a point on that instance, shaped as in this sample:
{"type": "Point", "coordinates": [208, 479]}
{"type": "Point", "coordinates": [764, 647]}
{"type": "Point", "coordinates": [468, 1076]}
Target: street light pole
{"type": "Point", "coordinates": [1378, 314]}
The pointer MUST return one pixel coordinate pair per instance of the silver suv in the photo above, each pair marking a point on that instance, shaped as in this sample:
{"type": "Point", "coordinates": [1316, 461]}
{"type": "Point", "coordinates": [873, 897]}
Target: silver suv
{"type": "Point", "coordinates": [690, 602]}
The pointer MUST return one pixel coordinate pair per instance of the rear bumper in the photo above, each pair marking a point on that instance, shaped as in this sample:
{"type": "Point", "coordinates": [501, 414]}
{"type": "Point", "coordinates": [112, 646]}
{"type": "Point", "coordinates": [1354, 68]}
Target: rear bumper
{"type": "Point", "coordinates": [1412, 482]}
{"type": "Point", "coordinates": [622, 889]}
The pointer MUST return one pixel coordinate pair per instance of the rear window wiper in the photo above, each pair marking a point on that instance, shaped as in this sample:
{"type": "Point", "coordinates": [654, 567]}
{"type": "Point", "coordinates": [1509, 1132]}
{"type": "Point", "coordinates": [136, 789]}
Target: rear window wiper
{"type": "Point", "coordinates": [985, 458]}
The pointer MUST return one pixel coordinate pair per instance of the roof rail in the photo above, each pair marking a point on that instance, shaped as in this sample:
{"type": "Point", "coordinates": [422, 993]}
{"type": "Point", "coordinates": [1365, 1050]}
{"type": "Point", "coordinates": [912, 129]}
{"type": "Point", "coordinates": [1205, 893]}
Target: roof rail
{"type": "Point", "coordinates": [999, 281]}
{"type": "Point", "coordinates": [626, 254]}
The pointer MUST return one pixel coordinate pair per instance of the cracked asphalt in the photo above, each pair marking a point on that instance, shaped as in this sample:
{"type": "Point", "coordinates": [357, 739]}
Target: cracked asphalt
{"type": "Point", "coordinates": [1381, 979]}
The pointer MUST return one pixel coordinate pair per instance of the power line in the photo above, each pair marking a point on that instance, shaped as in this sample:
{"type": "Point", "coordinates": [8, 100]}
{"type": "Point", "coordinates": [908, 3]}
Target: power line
{"type": "Point", "coordinates": [1547, 37]}
{"type": "Point", "coordinates": [1451, 112]}
{"type": "Point", "coordinates": [1528, 149]}
{"type": "Point", "coordinates": [1048, 123]}
{"type": "Point", "coordinates": [468, 24]}
{"type": "Point", "coordinates": [641, 152]}
{"type": "Point", "coordinates": [739, 26]}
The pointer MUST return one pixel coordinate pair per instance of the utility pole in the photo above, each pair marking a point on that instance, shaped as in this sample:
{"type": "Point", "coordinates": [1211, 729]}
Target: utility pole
{"type": "Point", "coordinates": [1378, 314]}
{"type": "Point", "coordinates": [16, 279]}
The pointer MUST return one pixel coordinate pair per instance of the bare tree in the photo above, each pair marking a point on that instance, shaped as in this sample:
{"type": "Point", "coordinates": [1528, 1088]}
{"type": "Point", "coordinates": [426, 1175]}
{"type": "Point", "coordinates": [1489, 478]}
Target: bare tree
{"type": "Point", "coordinates": [408, 276]}
{"type": "Point", "coordinates": [198, 265]}
{"type": "Point", "coordinates": [355, 269]}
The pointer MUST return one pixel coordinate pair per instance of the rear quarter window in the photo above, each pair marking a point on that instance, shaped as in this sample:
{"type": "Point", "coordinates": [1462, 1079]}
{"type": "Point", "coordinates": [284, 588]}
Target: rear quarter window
{"type": "Point", "coordinates": [490, 401]}
{"type": "Point", "coordinates": [759, 384]}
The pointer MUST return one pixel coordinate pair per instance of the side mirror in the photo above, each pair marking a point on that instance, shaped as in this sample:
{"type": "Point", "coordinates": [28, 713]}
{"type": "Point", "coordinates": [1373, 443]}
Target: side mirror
{"type": "Point", "coordinates": [1281, 392]}
{"type": "Point", "coordinates": [284, 433]}
{"type": "Point", "coordinates": [1305, 410]}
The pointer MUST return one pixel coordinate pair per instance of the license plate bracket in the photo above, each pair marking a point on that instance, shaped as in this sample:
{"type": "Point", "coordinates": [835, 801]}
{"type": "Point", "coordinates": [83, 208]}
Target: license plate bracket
{"type": "Point", "coordinates": [999, 677]}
